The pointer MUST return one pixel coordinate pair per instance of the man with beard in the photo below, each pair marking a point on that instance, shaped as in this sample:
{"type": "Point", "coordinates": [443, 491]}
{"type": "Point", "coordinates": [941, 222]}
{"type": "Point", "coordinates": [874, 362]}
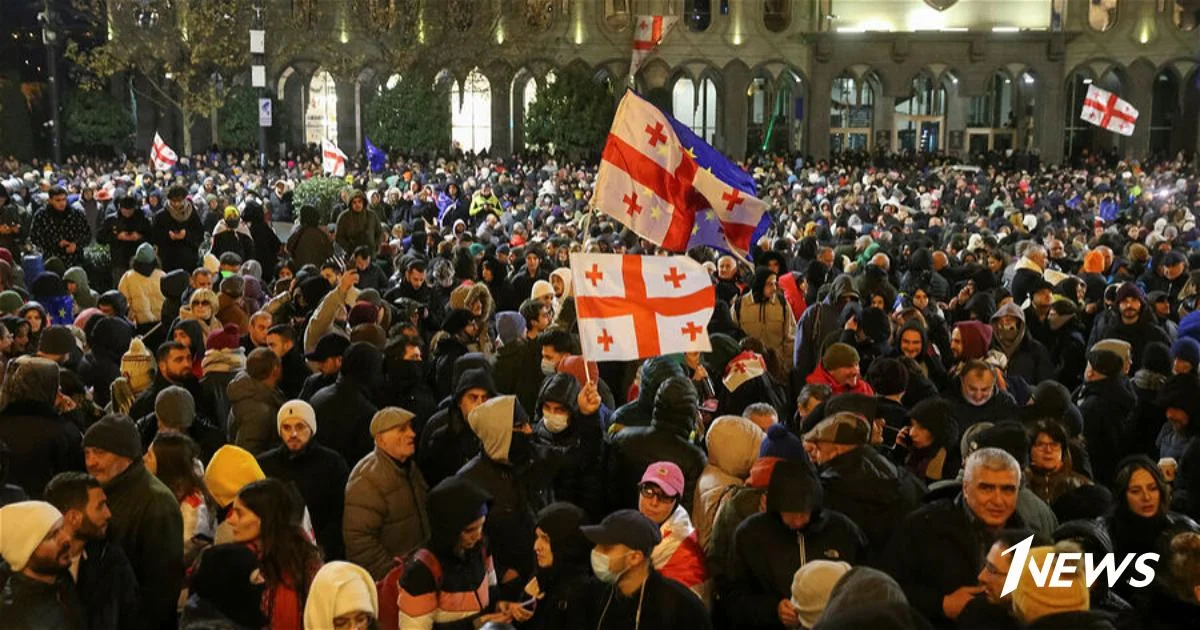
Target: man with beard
{"type": "Point", "coordinates": [178, 232]}
{"type": "Point", "coordinates": [36, 544]}
{"type": "Point", "coordinates": [108, 590]}
{"type": "Point", "coordinates": [174, 368]}
{"type": "Point", "coordinates": [1137, 324]}
{"type": "Point", "coordinates": [978, 398]}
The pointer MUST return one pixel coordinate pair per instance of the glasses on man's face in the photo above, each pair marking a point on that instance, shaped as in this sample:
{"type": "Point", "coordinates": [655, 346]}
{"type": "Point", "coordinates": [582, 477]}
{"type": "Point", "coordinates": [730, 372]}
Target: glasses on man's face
{"type": "Point", "coordinates": [1047, 446]}
{"type": "Point", "coordinates": [651, 491]}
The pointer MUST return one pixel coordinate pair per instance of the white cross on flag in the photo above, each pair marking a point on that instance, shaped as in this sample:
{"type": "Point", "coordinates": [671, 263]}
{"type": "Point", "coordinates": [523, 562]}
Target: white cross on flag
{"type": "Point", "coordinates": [630, 307]}
{"type": "Point", "coordinates": [1103, 109]}
{"type": "Point", "coordinates": [333, 161]}
{"type": "Point", "coordinates": [162, 155]}
{"type": "Point", "coordinates": [650, 31]}
{"type": "Point", "coordinates": [744, 367]}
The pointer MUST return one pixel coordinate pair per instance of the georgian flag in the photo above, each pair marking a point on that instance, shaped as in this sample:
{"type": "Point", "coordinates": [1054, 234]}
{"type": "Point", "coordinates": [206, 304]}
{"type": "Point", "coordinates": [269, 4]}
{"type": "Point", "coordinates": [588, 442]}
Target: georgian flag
{"type": "Point", "coordinates": [164, 158]}
{"type": "Point", "coordinates": [630, 307]}
{"type": "Point", "coordinates": [1103, 109]}
{"type": "Point", "coordinates": [333, 161]}
{"type": "Point", "coordinates": [745, 367]}
{"type": "Point", "coordinates": [650, 31]}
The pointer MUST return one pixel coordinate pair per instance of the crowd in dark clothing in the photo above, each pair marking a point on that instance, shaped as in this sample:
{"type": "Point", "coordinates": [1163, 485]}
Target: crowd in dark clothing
{"type": "Point", "coordinates": [380, 415]}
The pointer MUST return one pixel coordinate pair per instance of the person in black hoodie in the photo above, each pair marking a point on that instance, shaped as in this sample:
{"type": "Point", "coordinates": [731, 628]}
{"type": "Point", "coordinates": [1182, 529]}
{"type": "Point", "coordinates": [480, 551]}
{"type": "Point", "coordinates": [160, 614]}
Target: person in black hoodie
{"type": "Point", "coordinates": [266, 243]}
{"type": "Point", "coordinates": [230, 236]}
{"type": "Point", "coordinates": [573, 435]}
{"type": "Point", "coordinates": [123, 231]}
{"type": "Point", "coordinates": [563, 579]}
{"type": "Point", "coordinates": [173, 285]}
{"type": "Point", "coordinates": [345, 408]}
{"type": "Point", "coordinates": [447, 443]}
{"type": "Point", "coordinates": [1106, 404]}
{"type": "Point", "coordinates": [457, 330]}
{"type": "Point", "coordinates": [101, 365]}
{"type": "Point", "coordinates": [521, 281]}
{"type": "Point", "coordinates": [638, 412]}
{"type": "Point", "coordinates": [793, 528]}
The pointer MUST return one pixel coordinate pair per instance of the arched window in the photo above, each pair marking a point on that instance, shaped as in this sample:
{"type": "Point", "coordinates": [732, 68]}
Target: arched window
{"type": "Point", "coordinates": [320, 115]}
{"type": "Point", "coordinates": [471, 119]}
{"type": "Point", "coordinates": [617, 14]}
{"type": "Point", "coordinates": [777, 15]}
{"type": "Point", "coordinates": [1102, 14]}
{"type": "Point", "coordinates": [920, 116]}
{"type": "Point", "coordinates": [851, 114]}
{"type": "Point", "coordinates": [994, 109]}
{"type": "Point", "coordinates": [924, 100]}
{"type": "Point", "coordinates": [698, 14]}
{"type": "Point", "coordinates": [1077, 134]}
{"type": "Point", "coordinates": [1164, 112]}
{"type": "Point", "coordinates": [1186, 15]}
{"type": "Point", "coordinates": [696, 108]}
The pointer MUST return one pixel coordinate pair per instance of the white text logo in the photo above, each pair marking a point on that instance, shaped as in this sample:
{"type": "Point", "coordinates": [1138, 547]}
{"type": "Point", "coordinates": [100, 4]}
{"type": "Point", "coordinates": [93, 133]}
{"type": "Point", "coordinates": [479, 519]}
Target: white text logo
{"type": "Point", "coordinates": [1056, 569]}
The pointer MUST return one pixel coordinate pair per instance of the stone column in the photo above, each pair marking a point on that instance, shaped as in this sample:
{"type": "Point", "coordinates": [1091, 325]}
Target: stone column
{"type": "Point", "coordinates": [1139, 91]}
{"type": "Point", "coordinates": [816, 111]}
{"type": "Point", "coordinates": [737, 80]}
{"type": "Point", "coordinates": [1052, 100]}
{"type": "Point", "coordinates": [347, 105]}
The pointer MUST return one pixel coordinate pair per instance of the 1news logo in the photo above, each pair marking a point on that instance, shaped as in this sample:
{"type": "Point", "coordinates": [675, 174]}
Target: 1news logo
{"type": "Point", "coordinates": [1056, 567]}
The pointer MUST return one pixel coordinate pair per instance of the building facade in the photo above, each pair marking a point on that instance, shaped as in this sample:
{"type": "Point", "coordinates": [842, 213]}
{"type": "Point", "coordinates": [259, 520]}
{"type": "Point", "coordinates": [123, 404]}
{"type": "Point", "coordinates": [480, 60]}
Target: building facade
{"type": "Point", "coordinates": [810, 76]}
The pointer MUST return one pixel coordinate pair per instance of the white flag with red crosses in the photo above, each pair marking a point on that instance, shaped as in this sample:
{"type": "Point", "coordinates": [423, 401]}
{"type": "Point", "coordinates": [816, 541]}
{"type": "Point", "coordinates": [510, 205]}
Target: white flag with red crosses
{"type": "Point", "coordinates": [162, 155]}
{"type": "Point", "coordinates": [1103, 109]}
{"type": "Point", "coordinates": [647, 34]}
{"type": "Point", "coordinates": [631, 307]}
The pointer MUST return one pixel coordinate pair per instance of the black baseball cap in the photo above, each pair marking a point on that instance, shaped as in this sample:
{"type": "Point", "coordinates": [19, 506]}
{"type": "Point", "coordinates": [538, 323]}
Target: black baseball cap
{"type": "Point", "coordinates": [625, 527]}
{"type": "Point", "coordinates": [328, 346]}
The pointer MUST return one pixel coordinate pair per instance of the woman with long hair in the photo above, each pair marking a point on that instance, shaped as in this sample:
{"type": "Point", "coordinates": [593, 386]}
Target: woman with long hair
{"type": "Point", "coordinates": [21, 335]}
{"type": "Point", "coordinates": [173, 458]}
{"type": "Point", "coordinates": [267, 516]}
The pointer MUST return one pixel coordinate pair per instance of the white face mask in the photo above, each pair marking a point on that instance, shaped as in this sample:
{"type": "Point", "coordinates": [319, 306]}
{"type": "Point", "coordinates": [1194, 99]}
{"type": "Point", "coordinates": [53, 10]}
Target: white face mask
{"type": "Point", "coordinates": [548, 367]}
{"type": "Point", "coordinates": [556, 422]}
{"type": "Point", "coordinates": [600, 566]}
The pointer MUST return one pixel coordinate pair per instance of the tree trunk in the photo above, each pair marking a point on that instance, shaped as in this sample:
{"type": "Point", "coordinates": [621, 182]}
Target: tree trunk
{"type": "Point", "coordinates": [188, 117]}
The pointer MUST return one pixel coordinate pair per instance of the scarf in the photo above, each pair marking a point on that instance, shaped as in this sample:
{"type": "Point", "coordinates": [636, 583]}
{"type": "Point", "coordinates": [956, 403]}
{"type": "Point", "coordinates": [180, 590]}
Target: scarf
{"type": "Point", "coordinates": [182, 215]}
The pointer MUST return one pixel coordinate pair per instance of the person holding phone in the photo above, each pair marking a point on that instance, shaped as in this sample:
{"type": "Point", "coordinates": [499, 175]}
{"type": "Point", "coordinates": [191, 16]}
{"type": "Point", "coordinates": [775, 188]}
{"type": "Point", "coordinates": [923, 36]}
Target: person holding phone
{"type": "Point", "coordinates": [557, 596]}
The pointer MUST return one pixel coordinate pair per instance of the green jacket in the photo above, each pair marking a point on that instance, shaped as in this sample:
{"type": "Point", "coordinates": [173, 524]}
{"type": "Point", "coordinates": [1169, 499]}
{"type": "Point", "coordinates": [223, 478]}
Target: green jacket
{"type": "Point", "coordinates": [358, 228]}
{"type": "Point", "coordinates": [481, 204]}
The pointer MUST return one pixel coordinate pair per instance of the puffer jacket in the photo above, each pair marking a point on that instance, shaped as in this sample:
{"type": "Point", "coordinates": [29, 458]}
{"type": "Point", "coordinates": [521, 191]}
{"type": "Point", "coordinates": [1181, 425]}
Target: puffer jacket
{"type": "Point", "coordinates": [308, 244]}
{"type": "Point", "coordinates": [385, 512]}
{"type": "Point", "coordinates": [768, 320]}
{"type": "Point", "coordinates": [638, 413]}
{"type": "Point", "coordinates": [142, 288]}
{"type": "Point", "coordinates": [253, 406]}
{"type": "Point", "coordinates": [872, 491]}
{"type": "Point", "coordinates": [733, 444]}
{"type": "Point", "coordinates": [578, 449]}
{"type": "Point", "coordinates": [668, 438]}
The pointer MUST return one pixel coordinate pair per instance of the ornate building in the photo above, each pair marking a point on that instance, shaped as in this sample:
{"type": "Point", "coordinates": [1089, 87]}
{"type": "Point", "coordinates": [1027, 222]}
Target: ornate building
{"type": "Point", "coordinates": [816, 76]}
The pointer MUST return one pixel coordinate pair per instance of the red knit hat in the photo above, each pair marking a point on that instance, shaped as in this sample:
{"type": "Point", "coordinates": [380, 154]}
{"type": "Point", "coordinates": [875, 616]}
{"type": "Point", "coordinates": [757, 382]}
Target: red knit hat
{"type": "Point", "coordinates": [225, 339]}
{"type": "Point", "coordinates": [363, 313]}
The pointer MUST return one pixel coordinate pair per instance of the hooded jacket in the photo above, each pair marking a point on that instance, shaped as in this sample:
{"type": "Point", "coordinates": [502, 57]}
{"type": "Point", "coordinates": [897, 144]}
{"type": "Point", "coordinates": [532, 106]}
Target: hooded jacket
{"type": "Point", "coordinates": [144, 293]}
{"type": "Point", "coordinates": [172, 286]}
{"type": "Point", "coordinates": [358, 228]}
{"type": "Point", "coordinates": [101, 365]}
{"type": "Point", "coordinates": [40, 443]}
{"type": "Point", "coordinates": [871, 491]}
{"type": "Point", "coordinates": [266, 242]}
{"type": "Point", "coordinates": [733, 443]}
{"type": "Point", "coordinates": [768, 320]}
{"type": "Point", "coordinates": [1027, 358]}
{"type": "Point", "coordinates": [818, 321]}
{"type": "Point", "coordinates": [308, 244]}
{"type": "Point", "coordinates": [183, 253]}
{"type": "Point", "coordinates": [1139, 334]}
{"type": "Point", "coordinates": [447, 442]}
{"type": "Point", "coordinates": [253, 406]}
{"type": "Point", "coordinates": [84, 296]}
{"type": "Point", "coordinates": [668, 438]}
{"type": "Point", "coordinates": [767, 553]}
{"type": "Point", "coordinates": [339, 586]}
{"type": "Point", "coordinates": [344, 409]}
{"type": "Point", "coordinates": [638, 413]}
{"type": "Point", "coordinates": [577, 449]}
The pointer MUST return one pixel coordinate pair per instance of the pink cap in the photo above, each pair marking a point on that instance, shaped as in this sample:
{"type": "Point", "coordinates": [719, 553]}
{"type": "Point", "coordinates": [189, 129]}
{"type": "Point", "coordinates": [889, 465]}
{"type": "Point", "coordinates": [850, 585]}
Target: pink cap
{"type": "Point", "coordinates": [665, 475]}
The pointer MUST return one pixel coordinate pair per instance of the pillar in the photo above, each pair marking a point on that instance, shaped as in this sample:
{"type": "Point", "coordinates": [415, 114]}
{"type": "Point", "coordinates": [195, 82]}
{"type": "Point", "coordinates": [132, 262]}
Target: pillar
{"type": "Point", "coordinates": [1138, 89]}
{"type": "Point", "coordinates": [816, 111]}
{"type": "Point", "coordinates": [501, 87]}
{"type": "Point", "coordinates": [346, 115]}
{"type": "Point", "coordinates": [1052, 103]}
{"type": "Point", "coordinates": [736, 81]}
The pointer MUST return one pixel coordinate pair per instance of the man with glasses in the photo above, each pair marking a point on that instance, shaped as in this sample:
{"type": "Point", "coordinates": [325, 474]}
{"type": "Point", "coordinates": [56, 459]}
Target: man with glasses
{"type": "Point", "coordinates": [990, 609]}
{"type": "Point", "coordinates": [178, 232]}
{"type": "Point", "coordinates": [678, 555]}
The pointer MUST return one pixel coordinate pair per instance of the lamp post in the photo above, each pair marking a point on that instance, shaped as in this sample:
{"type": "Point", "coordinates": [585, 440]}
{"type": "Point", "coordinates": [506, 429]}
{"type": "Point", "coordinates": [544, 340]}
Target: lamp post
{"type": "Point", "coordinates": [50, 25]}
{"type": "Point", "coordinates": [258, 62]}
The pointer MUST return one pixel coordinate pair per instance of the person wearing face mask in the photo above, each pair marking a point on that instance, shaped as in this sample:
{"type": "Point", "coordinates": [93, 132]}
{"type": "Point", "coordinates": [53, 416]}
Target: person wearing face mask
{"type": "Point", "coordinates": [567, 426]}
{"type": "Point", "coordinates": [634, 595]}
{"type": "Point", "coordinates": [1027, 357]}
{"type": "Point", "coordinates": [507, 469]}
{"type": "Point", "coordinates": [231, 235]}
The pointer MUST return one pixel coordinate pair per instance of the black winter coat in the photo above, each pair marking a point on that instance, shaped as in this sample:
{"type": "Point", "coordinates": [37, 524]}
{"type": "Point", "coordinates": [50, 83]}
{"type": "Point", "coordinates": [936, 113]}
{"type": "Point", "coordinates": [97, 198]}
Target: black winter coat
{"type": "Point", "coordinates": [344, 411]}
{"type": "Point", "coordinates": [1078, 620]}
{"type": "Point", "coordinates": [519, 371]}
{"type": "Point", "coordinates": [121, 252]}
{"type": "Point", "coordinates": [233, 241]}
{"type": "Point", "coordinates": [871, 491]}
{"type": "Point", "coordinates": [666, 605]}
{"type": "Point", "coordinates": [40, 444]}
{"type": "Point", "coordinates": [518, 493]}
{"type": "Point", "coordinates": [1106, 407]}
{"type": "Point", "coordinates": [107, 587]}
{"type": "Point", "coordinates": [936, 550]}
{"type": "Point", "coordinates": [447, 444]}
{"type": "Point", "coordinates": [633, 449]}
{"type": "Point", "coordinates": [320, 475]}
{"type": "Point", "coordinates": [576, 451]}
{"type": "Point", "coordinates": [178, 254]}
{"type": "Point", "coordinates": [27, 604]}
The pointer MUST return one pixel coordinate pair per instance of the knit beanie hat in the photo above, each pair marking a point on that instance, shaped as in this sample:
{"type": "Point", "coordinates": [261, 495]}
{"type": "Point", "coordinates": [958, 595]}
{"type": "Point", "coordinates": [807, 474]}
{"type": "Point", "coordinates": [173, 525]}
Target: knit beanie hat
{"type": "Point", "coordinates": [1128, 290]}
{"type": "Point", "coordinates": [888, 377]}
{"type": "Point", "coordinates": [839, 355]}
{"type": "Point", "coordinates": [10, 302]}
{"type": "Point", "coordinates": [297, 410]}
{"type": "Point", "coordinates": [782, 443]}
{"type": "Point", "coordinates": [211, 263]}
{"type": "Point", "coordinates": [976, 339]}
{"type": "Point", "coordinates": [23, 526]}
{"type": "Point", "coordinates": [175, 408]}
{"type": "Point", "coordinates": [1186, 349]}
{"type": "Point", "coordinates": [144, 253]}
{"type": "Point", "coordinates": [510, 325]}
{"type": "Point", "coordinates": [1156, 357]}
{"type": "Point", "coordinates": [1093, 262]}
{"type": "Point", "coordinates": [231, 468]}
{"type": "Point", "coordinates": [233, 286]}
{"type": "Point", "coordinates": [116, 434]}
{"type": "Point", "coordinates": [363, 313]}
{"type": "Point", "coordinates": [57, 340]}
{"type": "Point", "coordinates": [227, 338]}
{"type": "Point", "coordinates": [541, 288]}
{"type": "Point", "coordinates": [371, 333]}
{"type": "Point", "coordinates": [1009, 437]}
{"type": "Point", "coordinates": [811, 587]}
{"type": "Point", "coordinates": [1032, 601]}
{"type": "Point", "coordinates": [137, 364]}
{"type": "Point", "coordinates": [222, 578]}
{"type": "Point", "coordinates": [1106, 362]}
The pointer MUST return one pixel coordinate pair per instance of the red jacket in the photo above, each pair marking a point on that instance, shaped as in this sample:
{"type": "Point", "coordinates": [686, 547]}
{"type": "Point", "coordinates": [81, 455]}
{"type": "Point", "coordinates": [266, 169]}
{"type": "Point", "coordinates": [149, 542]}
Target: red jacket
{"type": "Point", "coordinates": [820, 376]}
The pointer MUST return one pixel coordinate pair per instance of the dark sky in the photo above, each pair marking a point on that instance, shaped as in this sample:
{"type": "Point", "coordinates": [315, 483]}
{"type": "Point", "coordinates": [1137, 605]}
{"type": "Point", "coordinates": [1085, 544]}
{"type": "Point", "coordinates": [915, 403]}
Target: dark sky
{"type": "Point", "coordinates": [21, 48]}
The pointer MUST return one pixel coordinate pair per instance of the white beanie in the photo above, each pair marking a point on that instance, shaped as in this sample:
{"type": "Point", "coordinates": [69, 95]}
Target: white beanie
{"type": "Point", "coordinates": [293, 409]}
{"type": "Point", "coordinates": [23, 526]}
{"type": "Point", "coordinates": [339, 588]}
{"type": "Point", "coordinates": [811, 587]}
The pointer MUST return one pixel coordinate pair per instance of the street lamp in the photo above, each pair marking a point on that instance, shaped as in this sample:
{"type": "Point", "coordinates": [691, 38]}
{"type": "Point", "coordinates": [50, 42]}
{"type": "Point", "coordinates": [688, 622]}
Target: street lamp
{"type": "Point", "coordinates": [50, 26]}
{"type": "Point", "coordinates": [258, 75]}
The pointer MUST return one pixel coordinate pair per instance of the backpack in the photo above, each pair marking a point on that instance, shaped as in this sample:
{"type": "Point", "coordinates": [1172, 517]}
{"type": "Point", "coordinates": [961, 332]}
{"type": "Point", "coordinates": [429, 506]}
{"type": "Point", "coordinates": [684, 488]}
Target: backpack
{"type": "Point", "coordinates": [389, 587]}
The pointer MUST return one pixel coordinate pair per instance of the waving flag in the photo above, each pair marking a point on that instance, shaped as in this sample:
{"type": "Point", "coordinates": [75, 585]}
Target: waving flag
{"type": "Point", "coordinates": [333, 161]}
{"type": "Point", "coordinates": [666, 184]}
{"type": "Point", "coordinates": [1103, 109]}
{"type": "Point", "coordinates": [650, 31]}
{"type": "Point", "coordinates": [162, 155]}
{"type": "Point", "coordinates": [743, 368]}
{"type": "Point", "coordinates": [630, 307]}
{"type": "Point", "coordinates": [376, 158]}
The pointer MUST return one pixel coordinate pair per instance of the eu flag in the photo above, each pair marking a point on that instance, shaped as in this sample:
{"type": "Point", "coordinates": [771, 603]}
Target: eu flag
{"type": "Point", "coordinates": [376, 158]}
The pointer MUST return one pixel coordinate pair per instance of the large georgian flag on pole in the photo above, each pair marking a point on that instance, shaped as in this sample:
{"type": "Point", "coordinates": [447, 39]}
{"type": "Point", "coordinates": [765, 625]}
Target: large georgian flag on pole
{"type": "Point", "coordinates": [333, 161]}
{"type": "Point", "coordinates": [630, 307]}
{"type": "Point", "coordinates": [1103, 109]}
{"type": "Point", "coordinates": [650, 31]}
{"type": "Point", "coordinates": [164, 158]}
{"type": "Point", "coordinates": [665, 183]}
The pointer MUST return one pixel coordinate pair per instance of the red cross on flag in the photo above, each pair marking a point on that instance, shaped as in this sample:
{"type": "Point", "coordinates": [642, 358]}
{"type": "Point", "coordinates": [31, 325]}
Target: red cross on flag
{"type": "Point", "coordinates": [743, 368]}
{"type": "Point", "coordinates": [630, 307]}
{"type": "Point", "coordinates": [162, 155]}
{"type": "Point", "coordinates": [1103, 109]}
{"type": "Point", "coordinates": [650, 31]}
{"type": "Point", "coordinates": [333, 161]}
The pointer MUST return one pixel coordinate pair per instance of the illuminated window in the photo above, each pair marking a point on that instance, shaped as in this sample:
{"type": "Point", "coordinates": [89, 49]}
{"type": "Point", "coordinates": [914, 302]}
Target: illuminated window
{"type": "Point", "coordinates": [471, 107]}
{"type": "Point", "coordinates": [995, 108]}
{"type": "Point", "coordinates": [698, 14]}
{"type": "Point", "coordinates": [696, 108]}
{"type": "Point", "coordinates": [851, 114]}
{"type": "Point", "coordinates": [1186, 15]}
{"type": "Point", "coordinates": [1164, 114]}
{"type": "Point", "coordinates": [1102, 14]}
{"type": "Point", "coordinates": [320, 117]}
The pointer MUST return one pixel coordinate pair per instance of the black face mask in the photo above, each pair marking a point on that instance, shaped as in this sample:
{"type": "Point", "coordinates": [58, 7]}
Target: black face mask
{"type": "Point", "coordinates": [520, 452]}
{"type": "Point", "coordinates": [232, 223]}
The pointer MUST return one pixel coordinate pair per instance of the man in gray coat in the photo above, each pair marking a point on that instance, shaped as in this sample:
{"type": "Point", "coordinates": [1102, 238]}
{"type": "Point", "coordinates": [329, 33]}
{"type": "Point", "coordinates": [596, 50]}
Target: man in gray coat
{"type": "Point", "coordinates": [385, 512]}
{"type": "Point", "coordinates": [254, 402]}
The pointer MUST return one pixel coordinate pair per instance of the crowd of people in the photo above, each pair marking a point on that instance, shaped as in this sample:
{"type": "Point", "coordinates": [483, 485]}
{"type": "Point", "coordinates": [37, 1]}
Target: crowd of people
{"type": "Point", "coordinates": [223, 408]}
